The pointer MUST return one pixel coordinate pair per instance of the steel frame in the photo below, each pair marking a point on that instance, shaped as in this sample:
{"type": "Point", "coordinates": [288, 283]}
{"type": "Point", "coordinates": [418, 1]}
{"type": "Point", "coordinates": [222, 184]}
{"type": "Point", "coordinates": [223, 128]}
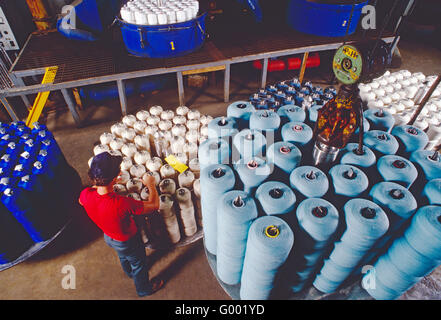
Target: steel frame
{"type": "Point", "coordinates": [120, 78]}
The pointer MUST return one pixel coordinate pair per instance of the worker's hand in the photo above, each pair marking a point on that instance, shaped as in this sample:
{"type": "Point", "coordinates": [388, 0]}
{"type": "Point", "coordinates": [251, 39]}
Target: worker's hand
{"type": "Point", "coordinates": [149, 180]}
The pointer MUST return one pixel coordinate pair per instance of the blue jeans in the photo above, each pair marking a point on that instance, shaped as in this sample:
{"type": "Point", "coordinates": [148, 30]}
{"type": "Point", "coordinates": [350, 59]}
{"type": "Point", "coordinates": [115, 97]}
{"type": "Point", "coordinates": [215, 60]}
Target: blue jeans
{"type": "Point", "coordinates": [133, 260]}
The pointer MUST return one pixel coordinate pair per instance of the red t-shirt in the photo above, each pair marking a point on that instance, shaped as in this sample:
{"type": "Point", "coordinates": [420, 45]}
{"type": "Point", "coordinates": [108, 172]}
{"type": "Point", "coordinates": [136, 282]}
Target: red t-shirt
{"type": "Point", "coordinates": [112, 213]}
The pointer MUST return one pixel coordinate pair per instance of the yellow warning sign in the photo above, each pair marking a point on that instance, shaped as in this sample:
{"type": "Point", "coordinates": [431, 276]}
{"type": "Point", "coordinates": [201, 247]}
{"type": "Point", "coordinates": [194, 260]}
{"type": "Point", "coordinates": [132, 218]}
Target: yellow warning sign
{"type": "Point", "coordinates": [176, 164]}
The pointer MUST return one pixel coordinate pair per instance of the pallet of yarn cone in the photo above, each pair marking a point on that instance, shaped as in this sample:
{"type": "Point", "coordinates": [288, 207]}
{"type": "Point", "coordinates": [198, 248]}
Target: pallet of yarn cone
{"type": "Point", "coordinates": [362, 238]}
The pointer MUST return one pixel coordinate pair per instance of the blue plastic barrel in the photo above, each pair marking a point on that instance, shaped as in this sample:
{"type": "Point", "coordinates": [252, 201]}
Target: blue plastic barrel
{"type": "Point", "coordinates": [14, 240]}
{"type": "Point", "coordinates": [322, 19]}
{"type": "Point", "coordinates": [164, 41]}
{"type": "Point", "coordinates": [20, 204]}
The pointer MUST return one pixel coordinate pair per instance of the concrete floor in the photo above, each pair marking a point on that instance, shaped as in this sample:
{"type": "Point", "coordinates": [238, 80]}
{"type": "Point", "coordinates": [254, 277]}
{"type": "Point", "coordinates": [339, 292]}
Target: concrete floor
{"type": "Point", "coordinates": [186, 270]}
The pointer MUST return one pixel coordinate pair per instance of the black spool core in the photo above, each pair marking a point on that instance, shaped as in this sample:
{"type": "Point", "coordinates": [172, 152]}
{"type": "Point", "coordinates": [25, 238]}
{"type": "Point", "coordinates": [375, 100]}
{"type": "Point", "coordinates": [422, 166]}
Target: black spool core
{"type": "Point", "coordinates": [350, 174]}
{"type": "Point", "coordinates": [379, 113]}
{"type": "Point", "coordinates": [249, 137]}
{"type": "Point", "coordinates": [320, 212]}
{"type": "Point", "coordinates": [181, 192]}
{"type": "Point", "coordinates": [359, 152]}
{"type": "Point", "coordinates": [396, 194]}
{"type": "Point", "coordinates": [163, 197]}
{"type": "Point", "coordinates": [252, 164]}
{"type": "Point", "coordinates": [412, 131]}
{"type": "Point", "coordinates": [276, 193]}
{"type": "Point", "coordinates": [222, 122]}
{"type": "Point", "coordinates": [382, 137]}
{"type": "Point", "coordinates": [241, 105]}
{"type": "Point", "coordinates": [311, 175]}
{"type": "Point", "coordinates": [238, 202]}
{"type": "Point", "coordinates": [434, 156]}
{"type": "Point", "coordinates": [285, 150]}
{"type": "Point", "coordinates": [399, 164]}
{"type": "Point", "coordinates": [218, 173]}
{"type": "Point", "coordinates": [272, 231]}
{"type": "Point", "coordinates": [368, 213]}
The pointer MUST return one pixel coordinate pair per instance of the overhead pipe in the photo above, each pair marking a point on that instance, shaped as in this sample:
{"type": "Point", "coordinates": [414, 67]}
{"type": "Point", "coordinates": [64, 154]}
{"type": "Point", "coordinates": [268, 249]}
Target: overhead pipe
{"type": "Point", "coordinates": [40, 14]}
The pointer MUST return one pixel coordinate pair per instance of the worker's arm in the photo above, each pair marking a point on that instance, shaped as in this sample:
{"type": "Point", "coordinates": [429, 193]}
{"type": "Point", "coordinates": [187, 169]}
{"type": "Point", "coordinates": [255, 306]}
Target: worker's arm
{"type": "Point", "coordinates": [153, 203]}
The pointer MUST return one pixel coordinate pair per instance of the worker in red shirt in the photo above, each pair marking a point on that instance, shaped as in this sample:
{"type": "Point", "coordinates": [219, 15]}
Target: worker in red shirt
{"type": "Point", "coordinates": [113, 214]}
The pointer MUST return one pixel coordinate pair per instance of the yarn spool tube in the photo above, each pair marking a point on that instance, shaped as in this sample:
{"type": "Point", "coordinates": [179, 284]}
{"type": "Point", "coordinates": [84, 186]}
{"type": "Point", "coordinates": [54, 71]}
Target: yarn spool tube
{"type": "Point", "coordinates": [397, 169]}
{"type": "Point", "coordinates": [248, 143]}
{"type": "Point", "coordinates": [186, 179]}
{"type": "Point", "coordinates": [197, 200]}
{"type": "Point", "coordinates": [134, 185]}
{"type": "Point", "coordinates": [154, 164]}
{"type": "Point", "coordinates": [309, 182]}
{"type": "Point", "coordinates": [351, 155]}
{"type": "Point", "coordinates": [216, 180]}
{"type": "Point", "coordinates": [106, 137]}
{"type": "Point", "coordinates": [187, 211]}
{"type": "Point", "coordinates": [291, 113]}
{"type": "Point", "coordinates": [191, 150]}
{"type": "Point", "coordinates": [379, 119]}
{"type": "Point", "coordinates": [420, 247]}
{"type": "Point", "coordinates": [252, 172]}
{"type": "Point", "coordinates": [317, 222]}
{"type": "Point", "coordinates": [398, 203]}
{"type": "Point", "coordinates": [142, 115]}
{"type": "Point", "coordinates": [268, 122]}
{"type": "Point", "coordinates": [126, 164]}
{"type": "Point", "coordinates": [142, 142]}
{"type": "Point", "coordinates": [141, 157]}
{"type": "Point", "coordinates": [432, 192]}
{"type": "Point", "coordinates": [167, 186]}
{"type": "Point", "coordinates": [285, 157]}
{"type": "Point", "coordinates": [195, 167]}
{"type": "Point", "coordinates": [241, 111]}
{"type": "Point", "coordinates": [214, 151]}
{"type": "Point", "coordinates": [410, 139]}
{"type": "Point", "coordinates": [269, 243]}
{"type": "Point", "coordinates": [426, 224]}
{"type": "Point", "coordinates": [154, 174]}
{"type": "Point", "coordinates": [166, 210]}
{"type": "Point", "coordinates": [234, 217]}
{"type": "Point", "coordinates": [222, 127]}
{"type": "Point", "coordinates": [428, 164]}
{"type": "Point", "coordinates": [167, 172]}
{"type": "Point", "coordinates": [347, 182]}
{"type": "Point", "coordinates": [409, 260]}
{"type": "Point", "coordinates": [275, 198]}
{"type": "Point", "coordinates": [297, 133]}
{"type": "Point", "coordinates": [381, 142]}
{"type": "Point", "coordinates": [137, 171]}
{"type": "Point", "coordinates": [366, 222]}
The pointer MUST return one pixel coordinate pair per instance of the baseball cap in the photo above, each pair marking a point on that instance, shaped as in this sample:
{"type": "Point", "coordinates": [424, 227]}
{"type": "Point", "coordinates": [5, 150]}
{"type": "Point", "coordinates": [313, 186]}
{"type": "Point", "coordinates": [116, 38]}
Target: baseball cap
{"type": "Point", "coordinates": [105, 166]}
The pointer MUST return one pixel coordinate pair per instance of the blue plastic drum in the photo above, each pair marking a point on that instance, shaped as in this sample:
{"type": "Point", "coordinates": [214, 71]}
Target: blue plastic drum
{"type": "Point", "coordinates": [322, 19]}
{"type": "Point", "coordinates": [164, 41]}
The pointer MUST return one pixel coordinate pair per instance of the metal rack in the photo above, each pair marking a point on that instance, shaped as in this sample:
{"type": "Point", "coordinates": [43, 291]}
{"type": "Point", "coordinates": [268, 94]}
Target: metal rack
{"type": "Point", "coordinates": [82, 64]}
